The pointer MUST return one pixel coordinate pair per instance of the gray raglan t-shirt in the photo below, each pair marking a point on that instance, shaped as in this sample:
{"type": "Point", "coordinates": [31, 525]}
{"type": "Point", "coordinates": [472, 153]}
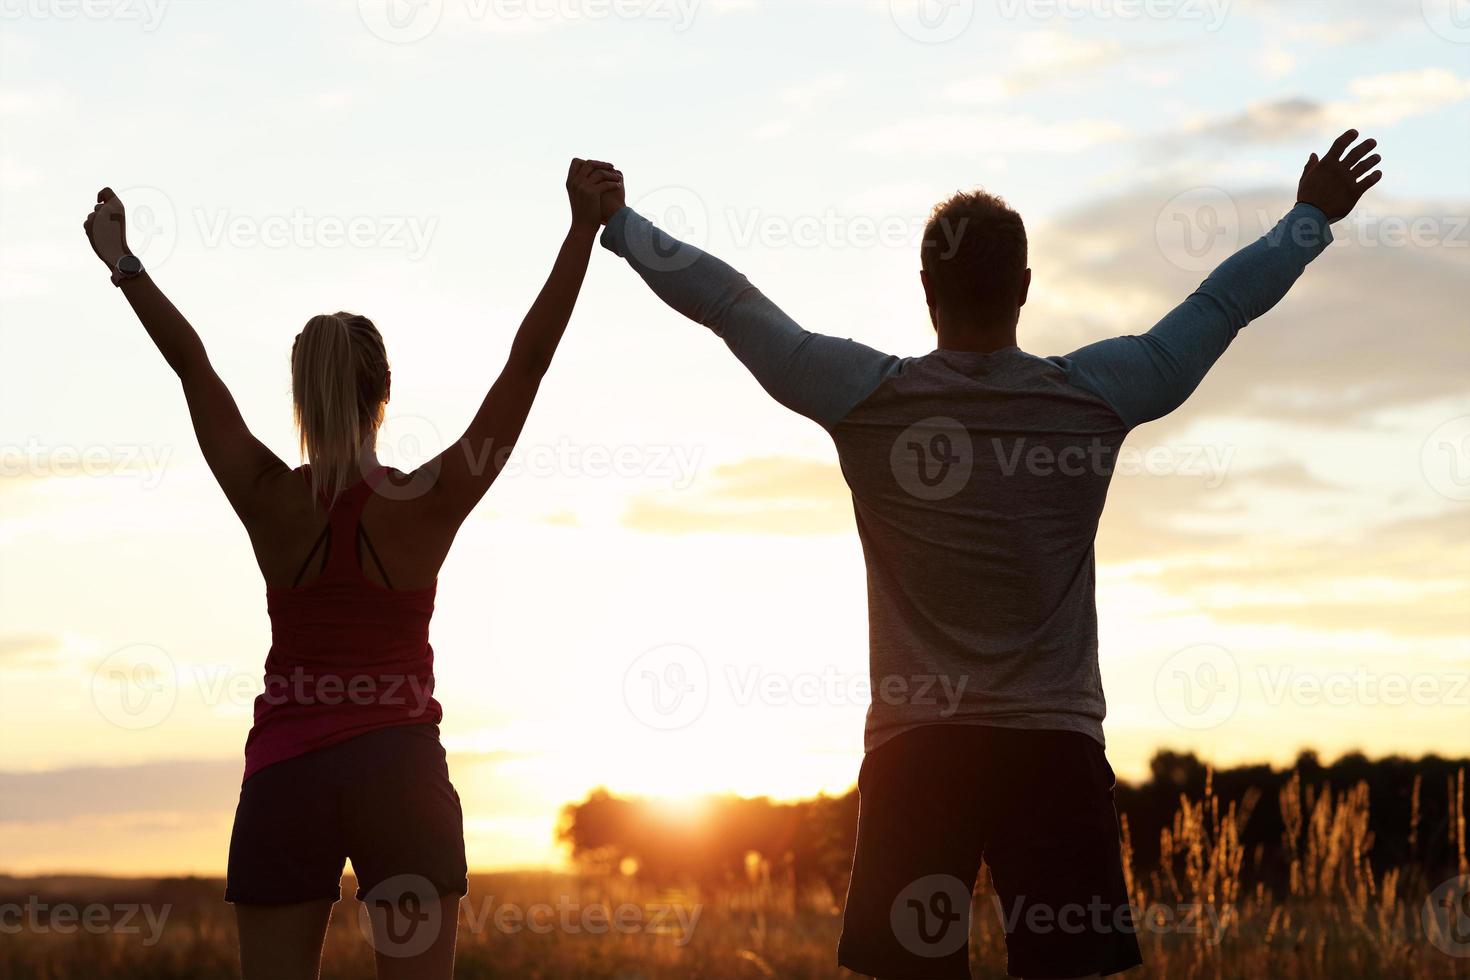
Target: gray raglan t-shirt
{"type": "Point", "coordinates": [977, 479]}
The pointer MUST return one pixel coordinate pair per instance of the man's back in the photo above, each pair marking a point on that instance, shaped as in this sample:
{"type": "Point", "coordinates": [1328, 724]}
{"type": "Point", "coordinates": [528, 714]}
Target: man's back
{"type": "Point", "coordinates": [978, 480]}
{"type": "Point", "coordinates": [978, 475]}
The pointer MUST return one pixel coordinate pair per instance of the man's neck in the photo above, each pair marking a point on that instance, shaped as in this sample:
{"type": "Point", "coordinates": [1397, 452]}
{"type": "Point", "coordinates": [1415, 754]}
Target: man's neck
{"type": "Point", "coordinates": [975, 339]}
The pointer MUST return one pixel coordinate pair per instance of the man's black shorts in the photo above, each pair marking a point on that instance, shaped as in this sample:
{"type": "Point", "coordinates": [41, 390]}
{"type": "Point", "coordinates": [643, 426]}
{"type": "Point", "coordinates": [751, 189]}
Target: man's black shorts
{"type": "Point", "coordinates": [1036, 806]}
{"type": "Point", "coordinates": [382, 799]}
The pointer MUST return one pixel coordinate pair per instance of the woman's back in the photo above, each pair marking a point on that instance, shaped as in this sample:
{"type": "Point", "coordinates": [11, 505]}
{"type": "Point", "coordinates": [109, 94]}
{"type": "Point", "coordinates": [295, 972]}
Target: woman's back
{"type": "Point", "coordinates": [350, 646]}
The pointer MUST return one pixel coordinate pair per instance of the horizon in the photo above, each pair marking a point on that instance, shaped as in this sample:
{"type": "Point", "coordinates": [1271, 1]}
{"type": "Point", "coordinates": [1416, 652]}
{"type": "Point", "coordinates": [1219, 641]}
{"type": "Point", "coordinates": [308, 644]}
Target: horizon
{"type": "Point", "coordinates": [1281, 569]}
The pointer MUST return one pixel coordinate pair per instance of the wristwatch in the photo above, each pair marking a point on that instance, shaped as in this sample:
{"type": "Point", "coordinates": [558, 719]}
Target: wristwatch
{"type": "Point", "coordinates": [127, 267]}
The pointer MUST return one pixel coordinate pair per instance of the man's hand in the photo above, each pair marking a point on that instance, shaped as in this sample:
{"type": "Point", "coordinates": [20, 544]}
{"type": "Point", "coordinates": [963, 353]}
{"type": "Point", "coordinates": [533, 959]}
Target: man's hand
{"type": "Point", "coordinates": [106, 228]}
{"type": "Point", "coordinates": [587, 183]}
{"type": "Point", "coordinates": [1335, 183]}
{"type": "Point", "coordinates": [613, 199]}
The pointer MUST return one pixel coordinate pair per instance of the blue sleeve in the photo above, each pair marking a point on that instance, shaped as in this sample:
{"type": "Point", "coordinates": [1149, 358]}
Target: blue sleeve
{"type": "Point", "coordinates": [820, 377]}
{"type": "Point", "coordinates": [1146, 377]}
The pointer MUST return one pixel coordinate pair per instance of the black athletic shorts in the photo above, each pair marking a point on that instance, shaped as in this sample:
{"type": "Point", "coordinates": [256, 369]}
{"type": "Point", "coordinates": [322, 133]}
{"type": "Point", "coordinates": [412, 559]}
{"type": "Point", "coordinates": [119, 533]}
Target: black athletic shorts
{"type": "Point", "coordinates": [382, 799]}
{"type": "Point", "coordinates": [1036, 806]}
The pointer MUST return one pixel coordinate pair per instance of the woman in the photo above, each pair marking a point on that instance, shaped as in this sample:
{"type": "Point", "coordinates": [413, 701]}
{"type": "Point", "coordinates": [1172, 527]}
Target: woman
{"type": "Point", "coordinates": [344, 759]}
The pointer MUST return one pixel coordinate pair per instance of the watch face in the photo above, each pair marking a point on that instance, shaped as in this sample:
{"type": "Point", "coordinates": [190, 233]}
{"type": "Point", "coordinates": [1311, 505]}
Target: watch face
{"type": "Point", "coordinates": [130, 265]}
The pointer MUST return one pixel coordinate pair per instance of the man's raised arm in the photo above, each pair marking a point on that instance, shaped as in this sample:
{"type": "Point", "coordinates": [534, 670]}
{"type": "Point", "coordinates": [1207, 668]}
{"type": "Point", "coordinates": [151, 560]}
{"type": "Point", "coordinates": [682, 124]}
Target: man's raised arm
{"type": "Point", "coordinates": [1148, 376]}
{"type": "Point", "coordinates": [820, 377]}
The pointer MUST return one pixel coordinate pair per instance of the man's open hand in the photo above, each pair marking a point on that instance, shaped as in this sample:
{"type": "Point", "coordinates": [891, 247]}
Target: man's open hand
{"type": "Point", "coordinates": [1336, 182]}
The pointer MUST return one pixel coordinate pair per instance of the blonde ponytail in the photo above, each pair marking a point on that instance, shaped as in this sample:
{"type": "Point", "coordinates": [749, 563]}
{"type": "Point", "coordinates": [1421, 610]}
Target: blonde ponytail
{"type": "Point", "coordinates": [339, 385]}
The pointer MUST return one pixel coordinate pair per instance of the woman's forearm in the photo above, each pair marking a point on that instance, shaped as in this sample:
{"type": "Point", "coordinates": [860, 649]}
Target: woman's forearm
{"type": "Point", "coordinates": [175, 338]}
{"type": "Point", "coordinates": [546, 321]}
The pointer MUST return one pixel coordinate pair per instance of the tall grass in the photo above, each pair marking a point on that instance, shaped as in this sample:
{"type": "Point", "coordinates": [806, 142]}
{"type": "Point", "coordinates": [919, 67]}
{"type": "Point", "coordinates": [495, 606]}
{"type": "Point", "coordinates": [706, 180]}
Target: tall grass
{"type": "Point", "coordinates": [1335, 917]}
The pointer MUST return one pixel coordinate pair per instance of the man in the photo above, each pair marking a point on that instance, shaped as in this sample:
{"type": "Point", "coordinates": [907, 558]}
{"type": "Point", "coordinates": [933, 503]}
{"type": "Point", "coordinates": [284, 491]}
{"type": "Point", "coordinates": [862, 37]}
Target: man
{"type": "Point", "coordinates": [978, 474]}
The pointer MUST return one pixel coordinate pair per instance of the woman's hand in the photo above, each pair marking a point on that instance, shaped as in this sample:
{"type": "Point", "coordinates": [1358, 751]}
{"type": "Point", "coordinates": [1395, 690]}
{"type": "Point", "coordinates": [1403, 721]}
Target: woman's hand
{"type": "Point", "coordinates": [106, 228]}
{"type": "Point", "coordinates": [587, 182]}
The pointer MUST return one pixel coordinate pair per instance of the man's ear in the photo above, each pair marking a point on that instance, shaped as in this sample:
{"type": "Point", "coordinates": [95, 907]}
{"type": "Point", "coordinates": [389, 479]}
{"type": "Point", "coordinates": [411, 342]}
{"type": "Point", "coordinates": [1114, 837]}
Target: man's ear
{"type": "Point", "coordinates": [1025, 288]}
{"type": "Point", "coordinates": [928, 296]}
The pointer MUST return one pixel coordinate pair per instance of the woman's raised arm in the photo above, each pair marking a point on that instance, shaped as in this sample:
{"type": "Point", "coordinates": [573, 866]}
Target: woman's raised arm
{"type": "Point", "coordinates": [465, 470]}
{"type": "Point", "coordinates": [239, 461]}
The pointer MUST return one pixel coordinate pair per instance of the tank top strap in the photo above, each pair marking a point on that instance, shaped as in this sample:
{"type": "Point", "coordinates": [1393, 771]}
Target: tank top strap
{"type": "Point", "coordinates": [345, 517]}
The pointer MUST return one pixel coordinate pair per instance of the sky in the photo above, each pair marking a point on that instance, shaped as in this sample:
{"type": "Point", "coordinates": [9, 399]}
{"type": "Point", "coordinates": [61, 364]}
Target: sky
{"type": "Point", "coordinates": [1283, 564]}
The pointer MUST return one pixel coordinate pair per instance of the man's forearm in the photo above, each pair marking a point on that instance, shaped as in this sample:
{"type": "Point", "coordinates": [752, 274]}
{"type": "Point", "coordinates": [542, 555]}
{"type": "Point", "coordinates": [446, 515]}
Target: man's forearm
{"type": "Point", "coordinates": [1145, 377]}
{"type": "Point", "coordinates": [818, 376]}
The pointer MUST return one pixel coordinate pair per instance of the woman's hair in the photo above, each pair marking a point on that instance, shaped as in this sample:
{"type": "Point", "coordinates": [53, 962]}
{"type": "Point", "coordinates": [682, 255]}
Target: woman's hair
{"type": "Point", "coordinates": [339, 387]}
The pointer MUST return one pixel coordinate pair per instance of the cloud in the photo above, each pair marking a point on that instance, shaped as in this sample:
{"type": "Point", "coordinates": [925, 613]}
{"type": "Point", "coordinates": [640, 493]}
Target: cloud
{"type": "Point", "coordinates": [988, 133]}
{"type": "Point", "coordinates": [1031, 60]}
{"type": "Point", "coordinates": [1377, 322]}
{"type": "Point", "coordinates": [19, 651]}
{"type": "Point", "coordinates": [1407, 578]}
{"type": "Point", "coordinates": [771, 495]}
{"type": "Point", "coordinates": [1375, 100]}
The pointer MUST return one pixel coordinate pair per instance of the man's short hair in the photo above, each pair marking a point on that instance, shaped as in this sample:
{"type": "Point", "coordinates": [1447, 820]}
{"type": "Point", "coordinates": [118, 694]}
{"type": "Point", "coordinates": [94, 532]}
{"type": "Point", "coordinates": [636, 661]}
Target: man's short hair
{"type": "Point", "coordinates": [974, 251]}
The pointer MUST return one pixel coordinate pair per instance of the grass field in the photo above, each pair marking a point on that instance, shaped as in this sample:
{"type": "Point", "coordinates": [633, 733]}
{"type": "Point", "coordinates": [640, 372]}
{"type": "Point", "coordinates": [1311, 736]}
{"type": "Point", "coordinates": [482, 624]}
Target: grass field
{"type": "Point", "coordinates": [1201, 917]}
